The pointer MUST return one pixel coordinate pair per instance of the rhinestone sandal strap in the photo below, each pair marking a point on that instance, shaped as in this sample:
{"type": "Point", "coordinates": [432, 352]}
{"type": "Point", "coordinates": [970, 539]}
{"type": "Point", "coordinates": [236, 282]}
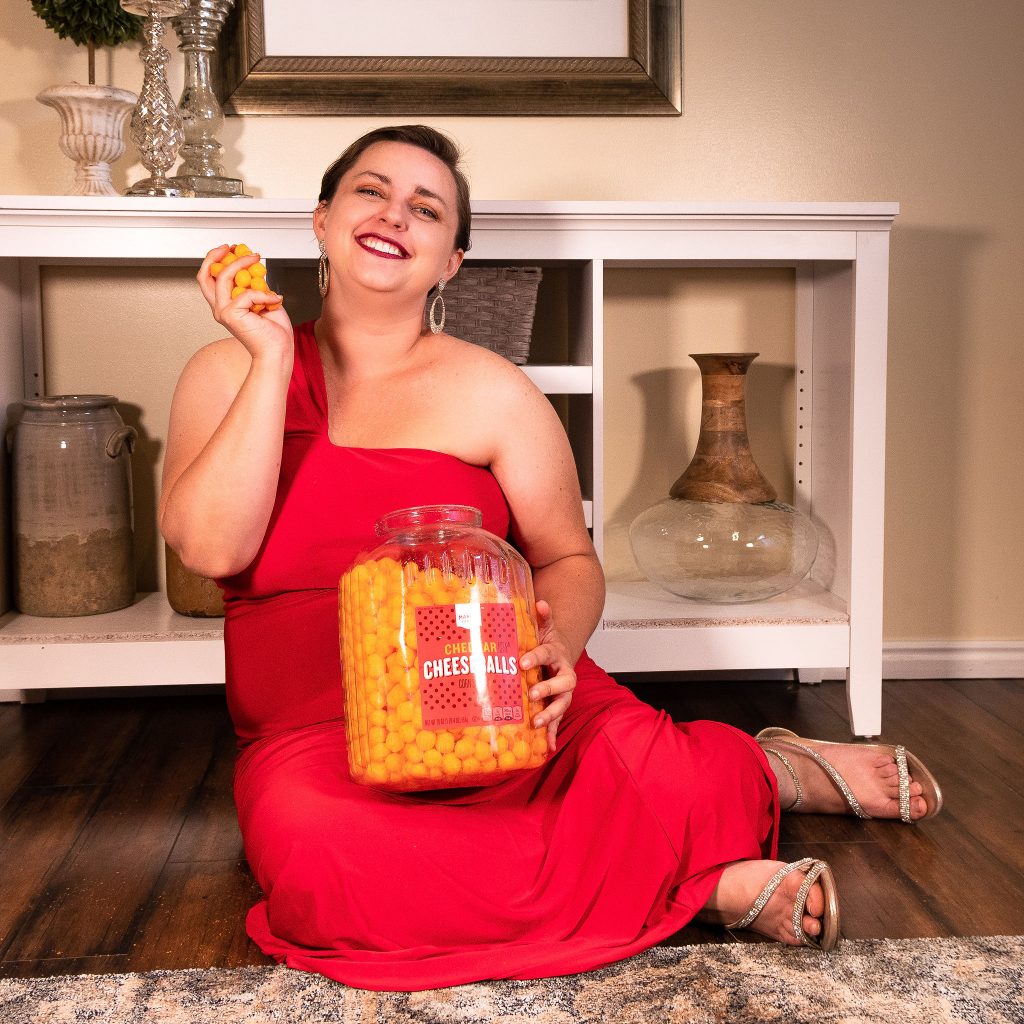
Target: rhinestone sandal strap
{"type": "Point", "coordinates": [768, 891]}
{"type": "Point", "coordinates": [900, 754]}
{"type": "Point", "coordinates": [839, 781]}
{"type": "Point", "coordinates": [800, 903]}
{"type": "Point", "coordinates": [785, 762]}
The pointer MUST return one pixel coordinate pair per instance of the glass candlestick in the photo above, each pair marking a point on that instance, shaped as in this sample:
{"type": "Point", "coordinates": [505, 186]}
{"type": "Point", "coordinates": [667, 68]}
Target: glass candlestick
{"type": "Point", "coordinates": [200, 110]}
{"type": "Point", "coordinates": [156, 126]}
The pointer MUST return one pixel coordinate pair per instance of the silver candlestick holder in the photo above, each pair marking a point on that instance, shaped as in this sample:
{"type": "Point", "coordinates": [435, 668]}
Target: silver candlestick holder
{"type": "Point", "coordinates": [156, 126]}
{"type": "Point", "coordinates": [200, 110]}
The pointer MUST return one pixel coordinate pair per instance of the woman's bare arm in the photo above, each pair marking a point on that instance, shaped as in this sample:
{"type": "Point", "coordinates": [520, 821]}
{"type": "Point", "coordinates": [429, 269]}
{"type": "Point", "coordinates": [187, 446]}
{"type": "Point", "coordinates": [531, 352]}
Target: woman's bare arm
{"type": "Point", "coordinates": [226, 434]}
{"type": "Point", "coordinates": [534, 464]}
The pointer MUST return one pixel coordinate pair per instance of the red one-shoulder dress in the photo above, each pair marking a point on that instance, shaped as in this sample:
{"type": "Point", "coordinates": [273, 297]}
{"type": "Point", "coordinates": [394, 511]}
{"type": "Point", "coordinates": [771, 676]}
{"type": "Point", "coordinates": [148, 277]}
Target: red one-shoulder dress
{"type": "Point", "coordinates": [610, 847]}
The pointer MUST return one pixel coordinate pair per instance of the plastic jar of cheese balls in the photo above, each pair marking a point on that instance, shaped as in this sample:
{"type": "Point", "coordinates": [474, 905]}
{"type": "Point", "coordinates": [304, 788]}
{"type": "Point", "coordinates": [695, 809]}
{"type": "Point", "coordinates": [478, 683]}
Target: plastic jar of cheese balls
{"type": "Point", "coordinates": [433, 624]}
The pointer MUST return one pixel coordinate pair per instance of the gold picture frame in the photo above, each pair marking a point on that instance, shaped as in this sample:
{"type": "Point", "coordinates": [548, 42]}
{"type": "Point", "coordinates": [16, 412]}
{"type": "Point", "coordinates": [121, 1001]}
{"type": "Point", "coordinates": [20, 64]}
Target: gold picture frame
{"type": "Point", "coordinates": [646, 83]}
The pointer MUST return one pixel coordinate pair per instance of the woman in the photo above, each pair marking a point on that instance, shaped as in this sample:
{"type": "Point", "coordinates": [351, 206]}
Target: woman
{"type": "Point", "coordinates": [285, 446]}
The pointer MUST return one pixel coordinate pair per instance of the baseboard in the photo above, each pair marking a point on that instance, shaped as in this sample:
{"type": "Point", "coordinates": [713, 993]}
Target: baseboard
{"type": "Point", "coordinates": [967, 659]}
{"type": "Point", "coordinates": [940, 659]}
{"type": "Point", "coordinates": [22, 696]}
{"type": "Point", "coordinates": [901, 659]}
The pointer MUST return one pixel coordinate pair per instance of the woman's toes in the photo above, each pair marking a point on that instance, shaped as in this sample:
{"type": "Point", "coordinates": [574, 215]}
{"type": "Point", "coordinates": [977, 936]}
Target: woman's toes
{"type": "Point", "coordinates": [918, 807]}
{"type": "Point", "coordinates": [815, 905]}
{"type": "Point", "coordinates": [814, 908]}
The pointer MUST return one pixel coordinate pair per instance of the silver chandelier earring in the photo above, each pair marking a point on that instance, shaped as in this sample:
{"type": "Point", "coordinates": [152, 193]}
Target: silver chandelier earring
{"type": "Point", "coordinates": [323, 270]}
{"type": "Point", "coordinates": [435, 327]}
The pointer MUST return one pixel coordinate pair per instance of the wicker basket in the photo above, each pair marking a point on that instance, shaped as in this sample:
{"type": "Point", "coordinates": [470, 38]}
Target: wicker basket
{"type": "Point", "coordinates": [493, 307]}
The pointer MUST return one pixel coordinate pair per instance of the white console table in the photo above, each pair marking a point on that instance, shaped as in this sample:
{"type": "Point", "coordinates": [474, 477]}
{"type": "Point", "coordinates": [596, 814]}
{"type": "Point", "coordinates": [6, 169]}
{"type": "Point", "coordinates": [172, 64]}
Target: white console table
{"type": "Point", "coordinates": [840, 255]}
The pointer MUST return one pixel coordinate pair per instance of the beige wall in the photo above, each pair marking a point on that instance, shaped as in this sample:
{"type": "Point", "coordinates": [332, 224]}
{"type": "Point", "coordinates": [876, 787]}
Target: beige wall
{"type": "Point", "coordinates": [918, 101]}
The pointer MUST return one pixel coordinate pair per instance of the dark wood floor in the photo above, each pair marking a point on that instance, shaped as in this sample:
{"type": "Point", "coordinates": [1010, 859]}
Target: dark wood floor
{"type": "Point", "coordinates": [119, 849]}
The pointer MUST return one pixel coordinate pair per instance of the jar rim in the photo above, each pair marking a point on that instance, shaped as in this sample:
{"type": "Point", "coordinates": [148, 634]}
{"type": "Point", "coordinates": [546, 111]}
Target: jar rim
{"type": "Point", "coordinates": [427, 515]}
{"type": "Point", "coordinates": [49, 402]}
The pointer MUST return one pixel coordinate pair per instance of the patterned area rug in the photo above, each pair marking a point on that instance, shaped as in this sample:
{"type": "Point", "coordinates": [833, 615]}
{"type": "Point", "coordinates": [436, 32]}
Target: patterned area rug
{"type": "Point", "coordinates": [890, 981]}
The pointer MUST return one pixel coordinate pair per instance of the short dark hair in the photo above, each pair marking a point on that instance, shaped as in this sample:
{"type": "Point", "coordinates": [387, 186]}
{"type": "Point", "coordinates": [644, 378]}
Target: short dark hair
{"type": "Point", "coordinates": [430, 139]}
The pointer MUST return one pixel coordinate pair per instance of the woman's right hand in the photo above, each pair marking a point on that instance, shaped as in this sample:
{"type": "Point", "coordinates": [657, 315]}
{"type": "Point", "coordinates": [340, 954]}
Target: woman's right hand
{"type": "Point", "coordinates": [224, 439]}
{"type": "Point", "coordinates": [260, 333]}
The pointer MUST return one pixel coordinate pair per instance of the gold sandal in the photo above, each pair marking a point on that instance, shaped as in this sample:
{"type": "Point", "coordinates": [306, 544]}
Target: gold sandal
{"type": "Point", "coordinates": [815, 871]}
{"type": "Point", "coordinates": [775, 741]}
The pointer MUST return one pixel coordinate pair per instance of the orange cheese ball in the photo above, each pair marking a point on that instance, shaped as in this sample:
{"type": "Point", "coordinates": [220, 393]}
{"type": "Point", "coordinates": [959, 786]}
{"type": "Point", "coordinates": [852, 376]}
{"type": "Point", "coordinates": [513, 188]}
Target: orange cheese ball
{"type": "Point", "coordinates": [254, 277]}
{"type": "Point", "coordinates": [388, 745]}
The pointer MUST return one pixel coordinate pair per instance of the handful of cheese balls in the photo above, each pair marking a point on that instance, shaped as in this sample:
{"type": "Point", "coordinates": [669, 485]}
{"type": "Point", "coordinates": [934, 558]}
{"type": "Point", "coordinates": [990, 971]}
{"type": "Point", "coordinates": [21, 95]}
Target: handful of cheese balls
{"type": "Point", "coordinates": [254, 277]}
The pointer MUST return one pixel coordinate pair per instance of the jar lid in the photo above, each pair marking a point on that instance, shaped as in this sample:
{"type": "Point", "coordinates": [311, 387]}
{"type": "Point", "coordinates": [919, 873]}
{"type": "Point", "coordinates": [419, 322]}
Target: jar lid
{"type": "Point", "coordinates": [428, 515]}
{"type": "Point", "coordinates": [51, 402]}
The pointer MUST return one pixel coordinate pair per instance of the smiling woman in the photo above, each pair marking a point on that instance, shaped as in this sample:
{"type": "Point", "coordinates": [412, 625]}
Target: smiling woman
{"type": "Point", "coordinates": [438, 145]}
{"type": "Point", "coordinates": [409, 215]}
{"type": "Point", "coordinates": [287, 447]}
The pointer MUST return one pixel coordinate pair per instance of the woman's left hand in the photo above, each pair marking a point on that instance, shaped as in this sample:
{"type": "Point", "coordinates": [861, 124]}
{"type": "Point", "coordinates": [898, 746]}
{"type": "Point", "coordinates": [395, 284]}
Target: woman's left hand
{"type": "Point", "coordinates": [552, 655]}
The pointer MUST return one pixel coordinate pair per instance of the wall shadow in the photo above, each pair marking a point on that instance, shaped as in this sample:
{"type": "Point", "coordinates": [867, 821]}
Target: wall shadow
{"type": "Point", "coordinates": [145, 490]}
{"type": "Point", "coordinates": [768, 395]}
{"type": "Point", "coordinates": [930, 356]}
{"type": "Point", "coordinates": [11, 417]}
{"type": "Point", "coordinates": [665, 454]}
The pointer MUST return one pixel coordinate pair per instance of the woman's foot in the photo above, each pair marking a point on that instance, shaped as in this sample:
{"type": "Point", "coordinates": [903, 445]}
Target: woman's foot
{"type": "Point", "coordinates": [787, 898]}
{"type": "Point", "coordinates": [864, 778]}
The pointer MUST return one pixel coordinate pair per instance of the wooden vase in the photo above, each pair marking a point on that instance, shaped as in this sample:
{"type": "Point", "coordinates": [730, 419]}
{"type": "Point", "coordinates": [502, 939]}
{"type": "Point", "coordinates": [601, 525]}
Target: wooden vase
{"type": "Point", "coordinates": [723, 467]}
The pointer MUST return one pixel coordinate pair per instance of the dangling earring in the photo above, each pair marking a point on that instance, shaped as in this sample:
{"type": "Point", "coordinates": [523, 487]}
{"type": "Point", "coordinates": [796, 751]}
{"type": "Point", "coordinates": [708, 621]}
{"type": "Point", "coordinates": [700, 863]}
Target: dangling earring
{"type": "Point", "coordinates": [323, 270]}
{"type": "Point", "coordinates": [435, 327]}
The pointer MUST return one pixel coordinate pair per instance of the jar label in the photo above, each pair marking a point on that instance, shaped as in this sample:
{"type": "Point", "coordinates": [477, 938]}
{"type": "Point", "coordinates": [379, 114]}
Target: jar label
{"type": "Point", "coordinates": [469, 665]}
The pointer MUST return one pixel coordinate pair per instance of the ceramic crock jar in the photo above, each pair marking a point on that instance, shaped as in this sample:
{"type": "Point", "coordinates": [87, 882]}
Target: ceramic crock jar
{"type": "Point", "coordinates": [188, 593]}
{"type": "Point", "coordinates": [73, 546]}
{"type": "Point", "coordinates": [433, 624]}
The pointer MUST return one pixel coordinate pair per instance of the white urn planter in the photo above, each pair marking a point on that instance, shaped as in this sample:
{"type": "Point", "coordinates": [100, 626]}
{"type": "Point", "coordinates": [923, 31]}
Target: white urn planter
{"type": "Point", "coordinates": [92, 120]}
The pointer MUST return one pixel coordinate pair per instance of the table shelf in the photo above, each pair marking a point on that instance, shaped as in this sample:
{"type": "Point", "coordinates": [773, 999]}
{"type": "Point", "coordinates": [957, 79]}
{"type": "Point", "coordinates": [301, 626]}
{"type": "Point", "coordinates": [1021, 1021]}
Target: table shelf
{"type": "Point", "coordinates": [839, 253]}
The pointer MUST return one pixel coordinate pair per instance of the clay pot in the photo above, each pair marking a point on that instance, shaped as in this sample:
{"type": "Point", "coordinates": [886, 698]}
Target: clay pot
{"type": "Point", "coordinates": [191, 594]}
{"type": "Point", "coordinates": [73, 544]}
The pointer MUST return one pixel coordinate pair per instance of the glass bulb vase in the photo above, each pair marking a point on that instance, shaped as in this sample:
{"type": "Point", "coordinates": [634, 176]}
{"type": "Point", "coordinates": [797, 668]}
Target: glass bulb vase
{"type": "Point", "coordinates": [721, 535]}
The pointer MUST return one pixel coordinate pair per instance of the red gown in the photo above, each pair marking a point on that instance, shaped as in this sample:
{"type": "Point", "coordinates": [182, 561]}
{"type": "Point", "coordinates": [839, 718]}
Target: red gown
{"type": "Point", "coordinates": [611, 846]}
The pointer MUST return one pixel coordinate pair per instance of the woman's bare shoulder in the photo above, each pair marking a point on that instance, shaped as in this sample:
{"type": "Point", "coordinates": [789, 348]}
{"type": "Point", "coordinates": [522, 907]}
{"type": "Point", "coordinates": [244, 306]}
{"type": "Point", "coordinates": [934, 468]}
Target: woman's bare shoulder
{"type": "Point", "coordinates": [494, 393]}
{"type": "Point", "coordinates": [221, 363]}
{"type": "Point", "coordinates": [500, 375]}
{"type": "Point", "coordinates": [224, 352]}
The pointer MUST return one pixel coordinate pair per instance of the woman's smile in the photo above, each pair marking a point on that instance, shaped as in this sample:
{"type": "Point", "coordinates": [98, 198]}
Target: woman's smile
{"type": "Point", "coordinates": [388, 248]}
